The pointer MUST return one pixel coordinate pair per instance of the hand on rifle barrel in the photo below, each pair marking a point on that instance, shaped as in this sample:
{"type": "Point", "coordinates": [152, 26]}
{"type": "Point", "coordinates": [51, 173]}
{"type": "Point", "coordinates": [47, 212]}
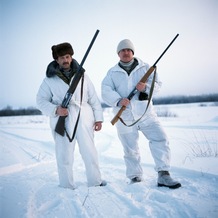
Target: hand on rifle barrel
{"type": "Point", "coordinates": [141, 86]}
{"type": "Point", "coordinates": [63, 112]}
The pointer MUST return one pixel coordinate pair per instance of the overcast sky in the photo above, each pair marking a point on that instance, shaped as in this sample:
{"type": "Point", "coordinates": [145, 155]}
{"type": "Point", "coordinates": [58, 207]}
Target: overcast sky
{"type": "Point", "coordinates": [30, 28]}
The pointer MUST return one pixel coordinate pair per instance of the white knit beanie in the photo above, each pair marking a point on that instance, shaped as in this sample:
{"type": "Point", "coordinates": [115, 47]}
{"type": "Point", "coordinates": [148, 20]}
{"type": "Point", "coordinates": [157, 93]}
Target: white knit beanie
{"type": "Point", "coordinates": [125, 44]}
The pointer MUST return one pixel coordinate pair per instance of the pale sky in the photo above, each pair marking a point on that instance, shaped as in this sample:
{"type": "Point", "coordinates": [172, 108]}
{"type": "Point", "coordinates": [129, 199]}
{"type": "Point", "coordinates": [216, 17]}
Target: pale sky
{"type": "Point", "coordinates": [28, 29]}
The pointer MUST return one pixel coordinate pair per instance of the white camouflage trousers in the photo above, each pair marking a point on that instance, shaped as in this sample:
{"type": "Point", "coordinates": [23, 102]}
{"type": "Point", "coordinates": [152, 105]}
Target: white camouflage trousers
{"type": "Point", "coordinates": [158, 143]}
{"type": "Point", "coordinates": [65, 158]}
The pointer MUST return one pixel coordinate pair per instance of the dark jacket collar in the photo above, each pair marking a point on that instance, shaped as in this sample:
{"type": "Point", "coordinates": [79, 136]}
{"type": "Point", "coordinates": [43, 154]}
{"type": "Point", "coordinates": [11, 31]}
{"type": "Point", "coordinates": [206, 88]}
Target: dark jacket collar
{"type": "Point", "coordinates": [53, 68]}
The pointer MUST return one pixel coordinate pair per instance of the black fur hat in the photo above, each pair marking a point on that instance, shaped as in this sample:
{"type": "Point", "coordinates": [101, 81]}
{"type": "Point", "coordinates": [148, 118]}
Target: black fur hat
{"type": "Point", "coordinates": [61, 50]}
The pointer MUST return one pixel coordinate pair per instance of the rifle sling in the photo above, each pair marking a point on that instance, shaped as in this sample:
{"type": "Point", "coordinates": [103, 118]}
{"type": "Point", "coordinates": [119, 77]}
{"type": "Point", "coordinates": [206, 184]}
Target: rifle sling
{"type": "Point", "coordinates": [149, 100]}
{"type": "Point", "coordinates": [77, 120]}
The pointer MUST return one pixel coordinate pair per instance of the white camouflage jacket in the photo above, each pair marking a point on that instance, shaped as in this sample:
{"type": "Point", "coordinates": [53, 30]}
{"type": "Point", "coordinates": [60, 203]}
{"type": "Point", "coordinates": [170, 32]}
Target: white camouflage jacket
{"type": "Point", "coordinates": [52, 92]}
{"type": "Point", "coordinates": [117, 84]}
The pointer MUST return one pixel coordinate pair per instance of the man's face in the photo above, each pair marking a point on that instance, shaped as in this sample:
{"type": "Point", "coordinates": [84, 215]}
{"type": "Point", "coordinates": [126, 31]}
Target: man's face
{"type": "Point", "coordinates": [64, 61]}
{"type": "Point", "coordinates": [126, 55]}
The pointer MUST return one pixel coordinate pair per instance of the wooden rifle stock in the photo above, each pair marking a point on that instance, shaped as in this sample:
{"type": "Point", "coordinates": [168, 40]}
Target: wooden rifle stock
{"type": "Point", "coordinates": [143, 79]}
{"type": "Point", "coordinates": [60, 125]}
{"type": "Point", "coordinates": [117, 116]}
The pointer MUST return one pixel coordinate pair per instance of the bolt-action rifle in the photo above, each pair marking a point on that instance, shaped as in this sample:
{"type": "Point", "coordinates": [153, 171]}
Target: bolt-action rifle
{"type": "Point", "coordinates": [60, 126]}
{"type": "Point", "coordinates": [143, 79]}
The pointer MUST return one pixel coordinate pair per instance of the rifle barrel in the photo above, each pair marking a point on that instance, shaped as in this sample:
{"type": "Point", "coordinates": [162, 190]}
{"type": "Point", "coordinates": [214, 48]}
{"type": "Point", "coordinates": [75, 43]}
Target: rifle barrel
{"type": "Point", "coordinates": [89, 48]}
{"type": "Point", "coordinates": [165, 50]}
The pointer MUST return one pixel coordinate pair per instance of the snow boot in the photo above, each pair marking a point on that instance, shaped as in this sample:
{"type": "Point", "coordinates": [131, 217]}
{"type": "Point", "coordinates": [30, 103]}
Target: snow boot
{"type": "Point", "coordinates": [103, 183]}
{"type": "Point", "coordinates": [164, 179]}
{"type": "Point", "coordinates": [136, 179]}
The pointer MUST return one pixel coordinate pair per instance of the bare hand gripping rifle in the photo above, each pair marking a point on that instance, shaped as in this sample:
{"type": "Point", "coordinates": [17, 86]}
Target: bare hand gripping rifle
{"type": "Point", "coordinates": [60, 126]}
{"type": "Point", "coordinates": [143, 79]}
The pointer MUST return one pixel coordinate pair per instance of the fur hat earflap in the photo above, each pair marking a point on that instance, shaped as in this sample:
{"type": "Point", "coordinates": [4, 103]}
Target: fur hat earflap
{"type": "Point", "coordinates": [125, 44]}
{"type": "Point", "coordinates": [61, 50]}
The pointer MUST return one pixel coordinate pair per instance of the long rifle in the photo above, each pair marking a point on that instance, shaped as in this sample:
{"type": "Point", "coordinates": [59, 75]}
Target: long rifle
{"type": "Point", "coordinates": [60, 126]}
{"type": "Point", "coordinates": [143, 79]}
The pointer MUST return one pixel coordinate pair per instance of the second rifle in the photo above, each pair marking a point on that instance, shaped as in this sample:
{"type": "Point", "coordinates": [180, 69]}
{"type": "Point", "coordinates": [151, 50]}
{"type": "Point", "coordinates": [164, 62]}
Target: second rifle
{"type": "Point", "coordinates": [143, 79]}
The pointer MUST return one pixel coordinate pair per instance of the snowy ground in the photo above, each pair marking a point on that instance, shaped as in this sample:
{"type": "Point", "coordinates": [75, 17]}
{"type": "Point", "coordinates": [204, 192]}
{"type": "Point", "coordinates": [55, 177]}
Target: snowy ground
{"type": "Point", "coordinates": [29, 180]}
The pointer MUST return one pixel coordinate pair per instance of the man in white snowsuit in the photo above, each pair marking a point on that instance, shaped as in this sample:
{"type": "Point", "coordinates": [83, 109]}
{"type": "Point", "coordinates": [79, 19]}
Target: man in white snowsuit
{"type": "Point", "coordinates": [59, 75]}
{"type": "Point", "coordinates": [116, 86]}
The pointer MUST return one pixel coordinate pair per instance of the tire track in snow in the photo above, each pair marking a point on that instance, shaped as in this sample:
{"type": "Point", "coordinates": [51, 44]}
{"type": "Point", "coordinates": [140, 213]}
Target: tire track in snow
{"type": "Point", "coordinates": [99, 203]}
{"type": "Point", "coordinates": [22, 151]}
{"type": "Point", "coordinates": [50, 201]}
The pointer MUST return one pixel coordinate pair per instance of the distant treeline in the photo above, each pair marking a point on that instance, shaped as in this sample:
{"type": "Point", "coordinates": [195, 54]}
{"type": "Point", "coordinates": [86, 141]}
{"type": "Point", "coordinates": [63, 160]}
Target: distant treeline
{"type": "Point", "coordinates": [186, 99]}
{"type": "Point", "coordinates": [9, 111]}
{"type": "Point", "coordinates": [180, 99]}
